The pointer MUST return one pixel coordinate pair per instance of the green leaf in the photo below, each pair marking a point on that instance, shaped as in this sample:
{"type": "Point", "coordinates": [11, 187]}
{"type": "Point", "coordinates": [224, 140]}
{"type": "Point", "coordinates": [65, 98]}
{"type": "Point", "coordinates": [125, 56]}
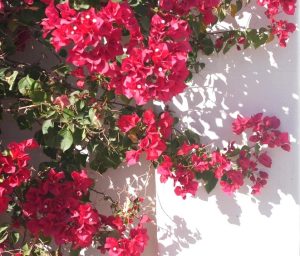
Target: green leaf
{"type": "Point", "coordinates": [3, 228]}
{"type": "Point", "coordinates": [24, 122]}
{"type": "Point", "coordinates": [228, 46]}
{"type": "Point", "coordinates": [2, 73]}
{"type": "Point", "coordinates": [210, 185]}
{"type": "Point", "coordinates": [208, 46]}
{"type": "Point", "coordinates": [235, 152]}
{"type": "Point", "coordinates": [94, 119]}
{"type": "Point", "coordinates": [67, 113]}
{"type": "Point", "coordinates": [14, 237]}
{"type": "Point", "coordinates": [222, 13]}
{"type": "Point", "coordinates": [74, 252]}
{"type": "Point", "coordinates": [3, 233]}
{"type": "Point", "coordinates": [3, 237]}
{"type": "Point", "coordinates": [11, 79]}
{"type": "Point", "coordinates": [67, 139]}
{"type": "Point", "coordinates": [211, 181]}
{"type": "Point", "coordinates": [193, 137]}
{"type": "Point", "coordinates": [25, 85]}
{"type": "Point", "coordinates": [26, 250]}
{"type": "Point", "coordinates": [46, 125]}
{"type": "Point", "coordinates": [120, 58]}
{"type": "Point", "coordinates": [257, 149]}
{"type": "Point", "coordinates": [38, 96]}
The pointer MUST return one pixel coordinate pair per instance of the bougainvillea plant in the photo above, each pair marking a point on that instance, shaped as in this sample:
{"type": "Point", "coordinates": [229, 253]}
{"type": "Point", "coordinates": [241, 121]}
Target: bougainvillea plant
{"type": "Point", "coordinates": [114, 58]}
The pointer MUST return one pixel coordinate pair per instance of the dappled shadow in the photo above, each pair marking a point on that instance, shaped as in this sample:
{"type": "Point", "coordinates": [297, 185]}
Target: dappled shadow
{"type": "Point", "coordinates": [247, 82]}
{"type": "Point", "coordinates": [173, 237]}
{"type": "Point", "coordinates": [121, 184]}
{"type": "Point", "coordinates": [227, 204]}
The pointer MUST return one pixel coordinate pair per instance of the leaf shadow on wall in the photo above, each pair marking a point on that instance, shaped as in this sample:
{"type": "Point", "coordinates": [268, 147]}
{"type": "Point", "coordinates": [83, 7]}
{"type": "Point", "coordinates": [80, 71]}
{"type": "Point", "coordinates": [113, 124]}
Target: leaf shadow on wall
{"type": "Point", "coordinates": [182, 236]}
{"type": "Point", "coordinates": [246, 82]}
{"type": "Point", "coordinates": [122, 183]}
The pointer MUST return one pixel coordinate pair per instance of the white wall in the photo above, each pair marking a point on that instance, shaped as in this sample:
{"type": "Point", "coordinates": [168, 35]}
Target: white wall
{"type": "Point", "coordinates": [217, 224]}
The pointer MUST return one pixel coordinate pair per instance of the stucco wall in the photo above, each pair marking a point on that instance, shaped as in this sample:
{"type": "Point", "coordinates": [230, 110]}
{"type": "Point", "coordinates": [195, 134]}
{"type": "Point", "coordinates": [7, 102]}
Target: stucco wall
{"type": "Point", "coordinates": [216, 224]}
{"type": "Point", "coordinates": [262, 80]}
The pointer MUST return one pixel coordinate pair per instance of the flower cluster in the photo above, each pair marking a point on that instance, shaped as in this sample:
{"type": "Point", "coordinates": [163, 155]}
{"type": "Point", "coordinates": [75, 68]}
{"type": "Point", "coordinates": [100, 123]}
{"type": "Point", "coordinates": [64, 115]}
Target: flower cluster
{"type": "Point", "coordinates": [94, 38]}
{"type": "Point", "coordinates": [184, 7]}
{"type": "Point", "coordinates": [265, 133]}
{"type": "Point", "coordinates": [140, 50]}
{"type": "Point", "coordinates": [97, 45]}
{"type": "Point", "coordinates": [280, 28]}
{"type": "Point", "coordinates": [184, 179]}
{"type": "Point", "coordinates": [154, 133]}
{"type": "Point", "coordinates": [192, 161]}
{"type": "Point", "coordinates": [133, 243]}
{"type": "Point", "coordinates": [14, 170]}
{"type": "Point", "coordinates": [264, 130]}
{"type": "Point", "coordinates": [159, 71]}
{"type": "Point", "coordinates": [55, 208]}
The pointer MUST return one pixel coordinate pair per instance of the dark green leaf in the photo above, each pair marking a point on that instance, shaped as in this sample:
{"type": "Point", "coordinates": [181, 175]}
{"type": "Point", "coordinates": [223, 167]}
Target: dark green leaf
{"type": "Point", "coordinates": [67, 139]}
{"type": "Point", "coordinates": [74, 252]}
{"type": "Point", "coordinates": [210, 185]}
{"type": "Point", "coordinates": [14, 237]}
{"type": "Point", "coordinates": [3, 233]}
{"type": "Point", "coordinates": [46, 125]}
{"type": "Point", "coordinates": [24, 122]}
{"type": "Point", "coordinates": [192, 137]}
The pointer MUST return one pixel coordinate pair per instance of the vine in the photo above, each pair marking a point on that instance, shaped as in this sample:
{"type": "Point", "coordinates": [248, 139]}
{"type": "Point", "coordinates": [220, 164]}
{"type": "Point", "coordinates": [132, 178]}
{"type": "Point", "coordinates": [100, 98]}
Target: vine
{"type": "Point", "coordinates": [113, 58]}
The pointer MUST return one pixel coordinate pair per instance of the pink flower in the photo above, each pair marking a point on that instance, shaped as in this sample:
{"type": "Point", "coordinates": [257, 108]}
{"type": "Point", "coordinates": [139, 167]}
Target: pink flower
{"type": "Point", "coordinates": [153, 145]}
{"type": "Point", "coordinates": [149, 117]}
{"type": "Point", "coordinates": [81, 181]}
{"type": "Point", "coordinates": [2, 7]}
{"type": "Point", "coordinates": [220, 163]}
{"type": "Point", "coordinates": [62, 101]}
{"type": "Point", "coordinates": [185, 183]}
{"type": "Point", "coordinates": [240, 124]}
{"type": "Point", "coordinates": [112, 245]}
{"type": "Point", "coordinates": [128, 122]}
{"type": "Point", "coordinates": [164, 169]}
{"type": "Point", "coordinates": [282, 29]}
{"type": "Point", "coordinates": [132, 156]}
{"type": "Point", "coordinates": [233, 181]}
{"type": "Point", "coordinates": [186, 149]}
{"type": "Point", "coordinates": [265, 160]}
{"type": "Point", "coordinates": [200, 163]}
{"type": "Point", "coordinates": [165, 124]}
